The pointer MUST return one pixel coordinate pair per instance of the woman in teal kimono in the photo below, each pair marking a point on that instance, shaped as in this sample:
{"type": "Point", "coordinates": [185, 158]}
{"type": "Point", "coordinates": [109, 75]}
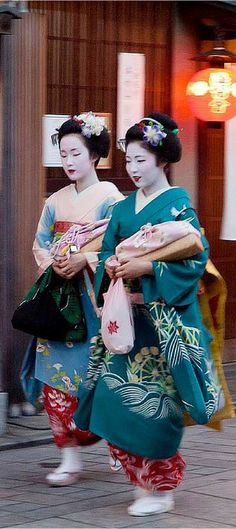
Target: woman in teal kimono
{"type": "Point", "coordinates": [138, 400]}
{"type": "Point", "coordinates": [61, 366]}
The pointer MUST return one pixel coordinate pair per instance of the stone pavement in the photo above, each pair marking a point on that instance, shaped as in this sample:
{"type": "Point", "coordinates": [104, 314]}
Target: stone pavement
{"type": "Point", "coordinates": [206, 499]}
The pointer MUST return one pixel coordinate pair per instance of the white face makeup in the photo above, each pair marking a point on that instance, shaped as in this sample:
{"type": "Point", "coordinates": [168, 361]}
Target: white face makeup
{"type": "Point", "coordinates": [76, 160]}
{"type": "Point", "coordinates": [141, 166]}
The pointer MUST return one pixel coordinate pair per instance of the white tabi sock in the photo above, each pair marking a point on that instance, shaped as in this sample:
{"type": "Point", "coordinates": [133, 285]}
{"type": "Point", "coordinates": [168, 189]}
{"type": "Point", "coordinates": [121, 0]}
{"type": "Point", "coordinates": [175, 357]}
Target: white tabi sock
{"type": "Point", "coordinates": [71, 460]}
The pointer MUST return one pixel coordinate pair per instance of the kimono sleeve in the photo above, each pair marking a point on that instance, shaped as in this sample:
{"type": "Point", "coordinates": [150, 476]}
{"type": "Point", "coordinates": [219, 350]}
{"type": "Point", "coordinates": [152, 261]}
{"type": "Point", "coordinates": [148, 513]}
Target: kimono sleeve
{"type": "Point", "coordinates": [110, 241]}
{"type": "Point", "coordinates": [176, 282]}
{"type": "Point", "coordinates": [44, 236]}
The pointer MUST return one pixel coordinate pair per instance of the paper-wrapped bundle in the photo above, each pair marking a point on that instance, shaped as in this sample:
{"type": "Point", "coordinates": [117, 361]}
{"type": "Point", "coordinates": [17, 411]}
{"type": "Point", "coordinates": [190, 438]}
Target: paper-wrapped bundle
{"type": "Point", "coordinates": [168, 241]}
{"type": "Point", "coordinates": [181, 249]}
{"type": "Point", "coordinates": [175, 251]}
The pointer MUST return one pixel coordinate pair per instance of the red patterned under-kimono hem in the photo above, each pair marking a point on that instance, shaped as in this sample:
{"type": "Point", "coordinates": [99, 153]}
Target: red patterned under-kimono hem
{"type": "Point", "coordinates": [60, 408]}
{"type": "Point", "coordinates": [151, 474]}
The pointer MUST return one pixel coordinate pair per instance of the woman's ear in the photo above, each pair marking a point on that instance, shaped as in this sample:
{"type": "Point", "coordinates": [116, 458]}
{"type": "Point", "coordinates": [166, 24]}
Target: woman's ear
{"type": "Point", "coordinates": [162, 164]}
{"type": "Point", "coordinates": [94, 157]}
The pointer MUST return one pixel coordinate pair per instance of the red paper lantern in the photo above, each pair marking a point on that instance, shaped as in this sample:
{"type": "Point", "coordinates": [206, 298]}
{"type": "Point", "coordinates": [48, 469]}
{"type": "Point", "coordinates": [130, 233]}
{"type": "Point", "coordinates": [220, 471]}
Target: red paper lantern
{"type": "Point", "coordinates": [211, 94]}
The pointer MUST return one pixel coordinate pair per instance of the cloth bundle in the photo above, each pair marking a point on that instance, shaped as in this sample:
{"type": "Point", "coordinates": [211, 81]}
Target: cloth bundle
{"type": "Point", "coordinates": [168, 241]}
{"type": "Point", "coordinates": [80, 237]}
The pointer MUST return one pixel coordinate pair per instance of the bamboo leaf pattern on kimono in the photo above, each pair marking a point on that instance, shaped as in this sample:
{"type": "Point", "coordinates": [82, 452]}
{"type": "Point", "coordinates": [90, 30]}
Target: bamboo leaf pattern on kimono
{"type": "Point", "coordinates": [175, 350]}
{"type": "Point", "coordinates": [162, 266]}
{"type": "Point", "coordinates": [184, 351]}
{"type": "Point", "coordinates": [191, 262]}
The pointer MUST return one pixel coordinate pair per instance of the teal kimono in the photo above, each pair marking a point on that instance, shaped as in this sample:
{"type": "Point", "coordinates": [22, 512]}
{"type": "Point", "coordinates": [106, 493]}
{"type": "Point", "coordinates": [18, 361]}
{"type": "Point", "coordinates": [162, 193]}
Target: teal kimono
{"type": "Point", "coordinates": [137, 401]}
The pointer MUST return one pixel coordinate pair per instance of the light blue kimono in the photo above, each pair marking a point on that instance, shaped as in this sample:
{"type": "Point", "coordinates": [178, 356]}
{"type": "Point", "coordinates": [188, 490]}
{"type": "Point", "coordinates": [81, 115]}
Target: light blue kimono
{"type": "Point", "coordinates": [63, 365]}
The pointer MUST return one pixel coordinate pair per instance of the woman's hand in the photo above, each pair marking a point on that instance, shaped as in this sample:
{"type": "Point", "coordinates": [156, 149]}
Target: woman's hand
{"type": "Point", "coordinates": [69, 267]}
{"type": "Point", "coordinates": [111, 265]}
{"type": "Point", "coordinates": [133, 268]}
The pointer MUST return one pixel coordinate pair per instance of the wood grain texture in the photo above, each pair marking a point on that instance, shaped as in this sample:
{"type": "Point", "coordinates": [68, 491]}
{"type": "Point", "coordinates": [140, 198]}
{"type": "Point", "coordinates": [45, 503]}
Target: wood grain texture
{"type": "Point", "coordinates": [83, 42]}
{"type": "Point", "coordinates": [23, 178]}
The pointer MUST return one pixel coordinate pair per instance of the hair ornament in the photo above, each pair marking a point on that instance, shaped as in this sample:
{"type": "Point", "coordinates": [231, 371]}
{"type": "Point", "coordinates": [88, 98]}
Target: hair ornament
{"type": "Point", "coordinates": [90, 124]}
{"type": "Point", "coordinates": [175, 132]}
{"type": "Point", "coordinates": [152, 132]}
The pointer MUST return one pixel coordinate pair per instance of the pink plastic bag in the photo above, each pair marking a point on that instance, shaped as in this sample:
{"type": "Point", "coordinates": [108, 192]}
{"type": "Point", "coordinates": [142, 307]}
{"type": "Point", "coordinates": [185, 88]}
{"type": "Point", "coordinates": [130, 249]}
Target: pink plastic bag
{"type": "Point", "coordinates": [152, 237]}
{"type": "Point", "coordinates": [117, 326]}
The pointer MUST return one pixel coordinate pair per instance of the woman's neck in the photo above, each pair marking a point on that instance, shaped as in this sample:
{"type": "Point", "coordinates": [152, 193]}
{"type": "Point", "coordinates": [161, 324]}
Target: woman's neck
{"type": "Point", "coordinates": [160, 183]}
{"type": "Point", "coordinates": [89, 180]}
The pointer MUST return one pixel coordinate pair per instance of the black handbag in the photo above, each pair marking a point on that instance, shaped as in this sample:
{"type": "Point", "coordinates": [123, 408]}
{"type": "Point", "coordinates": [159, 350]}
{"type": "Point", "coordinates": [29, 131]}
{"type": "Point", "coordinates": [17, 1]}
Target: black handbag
{"type": "Point", "coordinates": [52, 309]}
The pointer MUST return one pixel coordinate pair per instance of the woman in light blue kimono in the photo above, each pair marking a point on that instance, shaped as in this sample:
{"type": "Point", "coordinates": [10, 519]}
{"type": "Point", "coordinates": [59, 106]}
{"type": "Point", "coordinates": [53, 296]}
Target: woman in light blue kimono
{"type": "Point", "coordinates": [61, 366]}
{"type": "Point", "coordinates": [138, 400]}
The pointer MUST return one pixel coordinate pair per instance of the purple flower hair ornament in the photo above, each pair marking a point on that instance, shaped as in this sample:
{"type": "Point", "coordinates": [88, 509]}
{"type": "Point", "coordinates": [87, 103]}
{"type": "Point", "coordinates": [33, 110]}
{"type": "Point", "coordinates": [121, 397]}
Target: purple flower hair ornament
{"type": "Point", "coordinates": [153, 132]}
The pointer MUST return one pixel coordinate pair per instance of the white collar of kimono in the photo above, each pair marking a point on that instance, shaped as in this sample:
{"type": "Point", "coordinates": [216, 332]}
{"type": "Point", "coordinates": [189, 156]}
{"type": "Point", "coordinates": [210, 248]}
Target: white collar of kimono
{"type": "Point", "coordinates": [142, 200]}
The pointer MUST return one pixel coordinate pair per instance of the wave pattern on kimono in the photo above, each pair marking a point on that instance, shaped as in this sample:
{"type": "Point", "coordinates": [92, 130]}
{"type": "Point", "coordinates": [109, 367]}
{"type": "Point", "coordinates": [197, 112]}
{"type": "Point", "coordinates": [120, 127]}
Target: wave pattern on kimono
{"type": "Point", "coordinates": [149, 389]}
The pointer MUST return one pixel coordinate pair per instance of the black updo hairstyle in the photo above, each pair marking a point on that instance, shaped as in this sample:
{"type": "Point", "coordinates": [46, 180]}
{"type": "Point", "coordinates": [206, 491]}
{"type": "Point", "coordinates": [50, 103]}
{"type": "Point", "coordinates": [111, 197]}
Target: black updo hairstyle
{"type": "Point", "coordinates": [170, 150]}
{"type": "Point", "coordinates": [96, 145]}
